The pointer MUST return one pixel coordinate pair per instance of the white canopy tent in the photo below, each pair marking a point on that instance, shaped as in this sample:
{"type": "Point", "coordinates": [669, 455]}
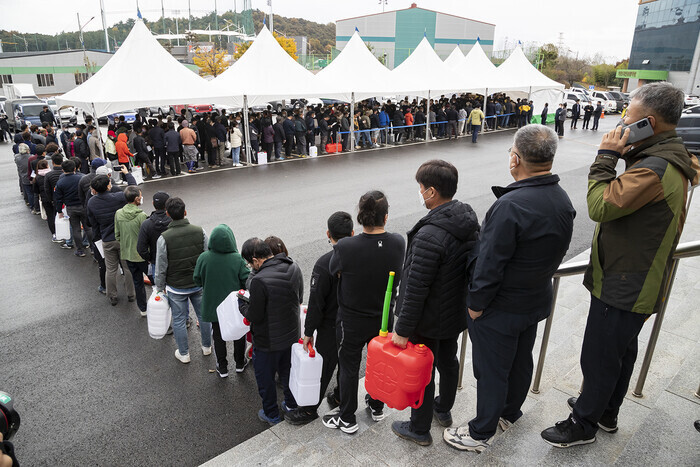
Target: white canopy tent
{"type": "Point", "coordinates": [266, 72]}
{"type": "Point", "coordinates": [455, 59]}
{"type": "Point", "coordinates": [356, 70]}
{"type": "Point", "coordinates": [122, 83]}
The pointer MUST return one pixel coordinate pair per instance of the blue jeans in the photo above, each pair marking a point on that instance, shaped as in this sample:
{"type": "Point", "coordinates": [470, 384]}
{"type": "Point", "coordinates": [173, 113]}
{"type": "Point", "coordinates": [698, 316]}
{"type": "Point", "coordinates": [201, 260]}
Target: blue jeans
{"type": "Point", "coordinates": [236, 155]}
{"type": "Point", "coordinates": [180, 307]}
{"type": "Point", "coordinates": [29, 192]}
{"type": "Point", "coordinates": [475, 132]}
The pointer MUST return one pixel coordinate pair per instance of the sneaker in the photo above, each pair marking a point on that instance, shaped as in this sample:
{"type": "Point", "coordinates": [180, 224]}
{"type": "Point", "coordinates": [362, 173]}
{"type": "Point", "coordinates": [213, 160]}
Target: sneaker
{"type": "Point", "coordinates": [222, 371]}
{"type": "Point", "coordinates": [55, 240]}
{"type": "Point", "coordinates": [131, 299]}
{"type": "Point", "coordinates": [459, 438]}
{"type": "Point", "coordinates": [286, 410]}
{"type": "Point", "coordinates": [443, 418]}
{"type": "Point", "coordinates": [268, 420]}
{"type": "Point", "coordinates": [102, 290]}
{"type": "Point", "coordinates": [206, 350]}
{"type": "Point", "coordinates": [333, 420]}
{"type": "Point", "coordinates": [239, 367]}
{"type": "Point", "coordinates": [301, 416]}
{"type": "Point", "coordinates": [377, 415]}
{"type": "Point", "coordinates": [113, 301]}
{"type": "Point", "coordinates": [80, 253]}
{"type": "Point", "coordinates": [504, 424]}
{"type": "Point", "coordinates": [66, 246]}
{"type": "Point", "coordinates": [606, 423]}
{"type": "Point", "coordinates": [332, 401]}
{"type": "Point", "coordinates": [567, 433]}
{"type": "Point", "coordinates": [143, 313]}
{"type": "Point", "coordinates": [156, 177]}
{"type": "Point", "coordinates": [183, 358]}
{"type": "Point", "coordinates": [403, 430]}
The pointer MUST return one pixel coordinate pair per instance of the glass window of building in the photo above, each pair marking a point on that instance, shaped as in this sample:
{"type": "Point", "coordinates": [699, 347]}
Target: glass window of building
{"type": "Point", "coordinates": [5, 79]}
{"type": "Point", "coordinates": [44, 80]}
{"type": "Point", "coordinates": [665, 35]}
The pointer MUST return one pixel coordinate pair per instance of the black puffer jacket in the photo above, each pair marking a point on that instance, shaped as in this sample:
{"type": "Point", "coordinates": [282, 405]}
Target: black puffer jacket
{"type": "Point", "coordinates": [101, 209]}
{"type": "Point", "coordinates": [433, 293]}
{"type": "Point", "coordinates": [50, 181]}
{"type": "Point", "coordinates": [276, 291]}
{"type": "Point", "coordinates": [149, 234]}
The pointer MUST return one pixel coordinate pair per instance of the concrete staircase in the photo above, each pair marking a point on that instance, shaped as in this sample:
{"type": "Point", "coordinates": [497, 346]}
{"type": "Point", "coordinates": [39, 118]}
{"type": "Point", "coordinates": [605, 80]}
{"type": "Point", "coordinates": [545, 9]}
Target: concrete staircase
{"type": "Point", "coordinates": [656, 429]}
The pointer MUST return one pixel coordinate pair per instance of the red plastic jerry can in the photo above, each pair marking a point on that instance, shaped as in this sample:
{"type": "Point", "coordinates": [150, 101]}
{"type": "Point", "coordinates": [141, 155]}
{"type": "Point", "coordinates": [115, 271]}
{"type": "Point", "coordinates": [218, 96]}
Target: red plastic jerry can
{"type": "Point", "coordinates": [396, 376]}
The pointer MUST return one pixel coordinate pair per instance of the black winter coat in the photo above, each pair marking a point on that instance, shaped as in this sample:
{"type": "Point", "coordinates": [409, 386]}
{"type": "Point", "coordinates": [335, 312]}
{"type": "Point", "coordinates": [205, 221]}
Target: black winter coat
{"type": "Point", "coordinates": [101, 209]}
{"type": "Point", "coordinates": [432, 299]}
{"type": "Point", "coordinates": [81, 149]}
{"type": "Point", "coordinates": [276, 291]}
{"type": "Point", "coordinates": [50, 181]}
{"type": "Point", "coordinates": [149, 233]}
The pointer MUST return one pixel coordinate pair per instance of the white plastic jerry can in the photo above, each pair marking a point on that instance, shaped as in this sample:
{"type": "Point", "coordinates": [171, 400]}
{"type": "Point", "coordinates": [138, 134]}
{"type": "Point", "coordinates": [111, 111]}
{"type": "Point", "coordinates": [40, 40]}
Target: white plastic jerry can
{"type": "Point", "coordinates": [313, 151]}
{"type": "Point", "coordinates": [158, 314]}
{"type": "Point", "coordinates": [305, 375]}
{"type": "Point", "coordinates": [303, 309]}
{"type": "Point", "coordinates": [62, 228]}
{"type": "Point", "coordinates": [232, 324]}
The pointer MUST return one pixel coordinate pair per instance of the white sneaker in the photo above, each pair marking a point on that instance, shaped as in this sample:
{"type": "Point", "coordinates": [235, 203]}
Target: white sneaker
{"type": "Point", "coordinates": [183, 358]}
{"type": "Point", "coordinates": [143, 314]}
{"type": "Point", "coordinates": [206, 350]}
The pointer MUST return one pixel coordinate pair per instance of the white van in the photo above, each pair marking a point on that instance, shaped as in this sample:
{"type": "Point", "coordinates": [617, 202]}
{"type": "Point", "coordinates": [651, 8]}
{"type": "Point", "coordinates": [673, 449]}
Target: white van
{"type": "Point", "coordinates": [608, 101]}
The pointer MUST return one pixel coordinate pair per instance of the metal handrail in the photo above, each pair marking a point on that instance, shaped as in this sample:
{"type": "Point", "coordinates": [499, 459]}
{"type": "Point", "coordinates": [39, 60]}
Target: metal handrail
{"type": "Point", "coordinates": [684, 250]}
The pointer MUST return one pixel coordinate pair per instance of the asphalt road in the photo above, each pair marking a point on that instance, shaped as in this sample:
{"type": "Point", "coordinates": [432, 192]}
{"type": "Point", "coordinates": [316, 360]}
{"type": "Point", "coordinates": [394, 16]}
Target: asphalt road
{"type": "Point", "coordinates": [90, 384]}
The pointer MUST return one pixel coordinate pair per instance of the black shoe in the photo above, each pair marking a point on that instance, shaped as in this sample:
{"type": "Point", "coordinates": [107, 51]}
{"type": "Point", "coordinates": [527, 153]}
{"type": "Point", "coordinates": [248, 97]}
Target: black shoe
{"type": "Point", "coordinates": [377, 414]}
{"type": "Point", "coordinates": [114, 301]}
{"type": "Point", "coordinates": [333, 420]}
{"type": "Point", "coordinates": [222, 371]}
{"type": "Point", "coordinates": [241, 367]}
{"type": "Point", "coordinates": [443, 418]}
{"type": "Point", "coordinates": [301, 416]}
{"type": "Point", "coordinates": [567, 433]}
{"type": "Point", "coordinates": [131, 299]}
{"type": "Point", "coordinates": [606, 422]}
{"type": "Point", "coordinates": [403, 430]}
{"type": "Point", "coordinates": [697, 425]}
{"type": "Point", "coordinates": [79, 253]}
{"type": "Point", "coordinates": [332, 401]}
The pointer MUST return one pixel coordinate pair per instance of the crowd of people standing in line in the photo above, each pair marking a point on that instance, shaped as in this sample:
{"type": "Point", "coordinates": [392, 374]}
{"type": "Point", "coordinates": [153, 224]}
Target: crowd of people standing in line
{"type": "Point", "coordinates": [452, 274]}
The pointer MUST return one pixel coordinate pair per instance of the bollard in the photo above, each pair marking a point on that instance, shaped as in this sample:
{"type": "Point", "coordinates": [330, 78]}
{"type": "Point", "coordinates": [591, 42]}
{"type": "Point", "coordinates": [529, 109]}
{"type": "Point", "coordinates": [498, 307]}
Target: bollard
{"type": "Point", "coordinates": [655, 331]}
{"type": "Point", "coordinates": [545, 337]}
{"type": "Point", "coordinates": [462, 356]}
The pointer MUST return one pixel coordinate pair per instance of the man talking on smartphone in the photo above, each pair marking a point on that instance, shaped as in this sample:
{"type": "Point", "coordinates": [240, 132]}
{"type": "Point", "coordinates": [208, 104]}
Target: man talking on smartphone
{"type": "Point", "coordinates": [640, 216]}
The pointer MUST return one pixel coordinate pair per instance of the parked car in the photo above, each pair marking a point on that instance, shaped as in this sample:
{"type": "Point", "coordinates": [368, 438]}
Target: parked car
{"type": "Point", "coordinates": [158, 110]}
{"type": "Point", "coordinates": [570, 97]}
{"type": "Point", "coordinates": [691, 99]}
{"type": "Point", "coordinates": [620, 99]}
{"type": "Point", "coordinates": [608, 101]}
{"type": "Point", "coordinates": [694, 109]}
{"type": "Point", "coordinates": [195, 109]}
{"type": "Point", "coordinates": [689, 129]}
{"type": "Point", "coordinates": [21, 111]}
{"type": "Point", "coordinates": [129, 116]}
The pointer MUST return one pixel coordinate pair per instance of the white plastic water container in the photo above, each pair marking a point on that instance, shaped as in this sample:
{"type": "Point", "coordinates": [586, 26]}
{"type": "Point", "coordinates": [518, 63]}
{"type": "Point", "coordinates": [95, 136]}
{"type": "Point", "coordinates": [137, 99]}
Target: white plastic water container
{"type": "Point", "coordinates": [303, 309]}
{"type": "Point", "coordinates": [305, 375]}
{"type": "Point", "coordinates": [62, 228]}
{"type": "Point", "coordinates": [231, 322]}
{"type": "Point", "coordinates": [158, 314]}
{"type": "Point", "coordinates": [313, 151]}
{"type": "Point", "coordinates": [262, 158]}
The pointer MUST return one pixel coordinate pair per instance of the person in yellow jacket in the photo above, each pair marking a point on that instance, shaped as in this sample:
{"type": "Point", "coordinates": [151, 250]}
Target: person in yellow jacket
{"type": "Point", "coordinates": [475, 118]}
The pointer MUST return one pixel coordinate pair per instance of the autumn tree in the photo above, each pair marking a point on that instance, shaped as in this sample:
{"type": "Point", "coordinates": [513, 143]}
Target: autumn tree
{"type": "Point", "coordinates": [287, 44]}
{"type": "Point", "coordinates": [210, 62]}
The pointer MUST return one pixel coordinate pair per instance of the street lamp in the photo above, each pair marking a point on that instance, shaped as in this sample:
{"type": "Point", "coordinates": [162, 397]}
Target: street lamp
{"type": "Point", "coordinates": [26, 47]}
{"type": "Point", "coordinates": [383, 3]}
{"type": "Point", "coordinates": [82, 42]}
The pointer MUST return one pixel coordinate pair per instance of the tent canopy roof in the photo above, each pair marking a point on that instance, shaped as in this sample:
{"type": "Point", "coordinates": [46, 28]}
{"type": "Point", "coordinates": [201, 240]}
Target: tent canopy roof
{"type": "Point", "coordinates": [120, 84]}
{"type": "Point", "coordinates": [424, 71]}
{"type": "Point", "coordinates": [518, 74]}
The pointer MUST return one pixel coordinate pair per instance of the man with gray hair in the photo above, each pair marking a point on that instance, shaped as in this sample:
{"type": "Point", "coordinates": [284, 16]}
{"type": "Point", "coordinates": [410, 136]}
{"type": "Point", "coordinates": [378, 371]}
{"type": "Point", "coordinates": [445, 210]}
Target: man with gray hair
{"type": "Point", "coordinates": [640, 216]}
{"type": "Point", "coordinates": [524, 237]}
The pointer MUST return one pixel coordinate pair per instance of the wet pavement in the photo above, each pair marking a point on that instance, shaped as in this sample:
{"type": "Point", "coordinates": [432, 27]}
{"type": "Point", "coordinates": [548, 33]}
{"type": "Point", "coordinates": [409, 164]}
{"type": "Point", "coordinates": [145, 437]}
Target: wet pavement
{"type": "Point", "coordinates": [90, 384]}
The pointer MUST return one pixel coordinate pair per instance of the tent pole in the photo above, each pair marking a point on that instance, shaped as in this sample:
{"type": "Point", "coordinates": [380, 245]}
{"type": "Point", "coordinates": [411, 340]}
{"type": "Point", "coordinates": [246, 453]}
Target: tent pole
{"type": "Point", "coordinates": [246, 126]}
{"type": "Point", "coordinates": [97, 123]}
{"type": "Point", "coordinates": [428, 135]}
{"type": "Point", "coordinates": [352, 123]}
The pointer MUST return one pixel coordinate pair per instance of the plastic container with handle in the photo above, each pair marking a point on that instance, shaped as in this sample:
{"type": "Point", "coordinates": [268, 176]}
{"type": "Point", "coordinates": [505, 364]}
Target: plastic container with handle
{"type": "Point", "coordinates": [305, 375]}
{"type": "Point", "coordinates": [158, 315]}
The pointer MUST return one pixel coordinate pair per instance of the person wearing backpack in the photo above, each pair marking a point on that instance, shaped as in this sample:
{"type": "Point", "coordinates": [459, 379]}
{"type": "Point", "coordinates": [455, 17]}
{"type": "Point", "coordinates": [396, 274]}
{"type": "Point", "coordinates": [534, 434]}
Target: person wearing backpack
{"type": "Point", "coordinates": [219, 271]}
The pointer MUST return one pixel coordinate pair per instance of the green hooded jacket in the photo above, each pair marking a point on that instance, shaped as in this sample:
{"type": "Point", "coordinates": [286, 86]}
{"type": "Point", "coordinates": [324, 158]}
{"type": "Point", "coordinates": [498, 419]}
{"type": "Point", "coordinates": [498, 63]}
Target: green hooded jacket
{"type": "Point", "coordinates": [127, 222]}
{"type": "Point", "coordinates": [640, 216]}
{"type": "Point", "coordinates": [219, 271]}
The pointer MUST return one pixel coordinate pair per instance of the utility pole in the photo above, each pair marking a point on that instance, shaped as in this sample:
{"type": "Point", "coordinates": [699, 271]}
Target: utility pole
{"type": "Point", "coordinates": [162, 12]}
{"type": "Point", "coordinates": [104, 23]}
{"type": "Point", "coordinates": [272, 26]}
{"type": "Point", "coordinates": [189, 15]}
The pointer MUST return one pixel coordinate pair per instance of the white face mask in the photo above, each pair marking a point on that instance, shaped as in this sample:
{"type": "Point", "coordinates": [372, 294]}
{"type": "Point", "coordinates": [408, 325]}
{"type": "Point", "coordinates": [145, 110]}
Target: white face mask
{"type": "Point", "coordinates": [420, 195]}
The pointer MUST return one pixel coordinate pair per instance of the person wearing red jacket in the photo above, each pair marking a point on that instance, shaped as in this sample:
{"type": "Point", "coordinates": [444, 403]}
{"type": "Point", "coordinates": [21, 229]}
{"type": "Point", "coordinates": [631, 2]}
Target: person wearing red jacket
{"type": "Point", "coordinates": [123, 153]}
{"type": "Point", "coordinates": [408, 120]}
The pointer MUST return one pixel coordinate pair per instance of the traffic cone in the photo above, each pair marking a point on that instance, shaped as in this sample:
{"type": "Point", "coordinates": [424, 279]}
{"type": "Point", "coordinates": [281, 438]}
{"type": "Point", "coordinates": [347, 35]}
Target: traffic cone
{"type": "Point", "coordinates": [602, 114]}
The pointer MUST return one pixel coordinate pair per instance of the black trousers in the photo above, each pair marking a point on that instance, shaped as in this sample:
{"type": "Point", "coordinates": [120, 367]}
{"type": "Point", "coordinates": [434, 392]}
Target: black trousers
{"type": "Point", "coordinates": [353, 333]}
{"type": "Point", "coordinates": [77, 217]}
{"type": "Point", "coordinates": [173, 159]}
{"type": "Point", "coordinates": [586, 121]}
{"type": "Point", "coordinates": [137, 271]}
{"type": "Point", "coordinates": [502, 359]}
{"type": "Point", "coordinates": [50, 216]}
{"type": "Point", "coordinates": [574, 121]}
{"type": "Point", "coordinates": [288, 145]}
{"type": "Point", "coordinates": [595, 122]}
{"type": "Point", "coordinates": [101, 265]}
{"type": "Point", "coordinates": [607, 360]}
{"type": "Point", "coordinates": [159, 160]}
{"type": "Point", "coordinates": [445, 359]}
{"type": "Point", "coordinates": [220, 348]}
{"type": "Point", "coordinates": [266, 365]}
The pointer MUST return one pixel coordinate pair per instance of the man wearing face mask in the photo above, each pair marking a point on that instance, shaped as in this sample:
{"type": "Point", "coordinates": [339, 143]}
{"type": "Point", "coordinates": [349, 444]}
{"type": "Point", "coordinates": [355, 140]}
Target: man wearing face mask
{"type": "Point", "coordinates": [127, 223]}
{"type": "Point", "coordinates": [640, 216]}
{"type": "Point", "coordinates": [433, 292]}
{"type": "Point", "coordinates": [525, 235]}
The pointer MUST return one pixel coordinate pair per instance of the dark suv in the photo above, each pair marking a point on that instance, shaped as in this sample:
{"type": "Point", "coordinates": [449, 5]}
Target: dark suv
{"type": "Point", "coordinates": [689, 129]}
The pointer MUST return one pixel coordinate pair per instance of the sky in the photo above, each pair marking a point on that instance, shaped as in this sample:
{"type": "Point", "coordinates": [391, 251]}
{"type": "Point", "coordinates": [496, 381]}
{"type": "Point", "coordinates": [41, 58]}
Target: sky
{"type": "Point", "coordinates": [603, 27]}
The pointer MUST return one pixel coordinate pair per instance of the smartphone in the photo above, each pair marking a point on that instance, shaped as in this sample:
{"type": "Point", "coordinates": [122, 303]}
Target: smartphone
{"type": "Point", "coordinates": [639, 130]}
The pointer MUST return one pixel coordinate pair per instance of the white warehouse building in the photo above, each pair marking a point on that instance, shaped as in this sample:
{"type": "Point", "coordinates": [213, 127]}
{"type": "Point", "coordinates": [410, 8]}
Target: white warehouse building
{"type": "Point", "coordinates": [395, 34]}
